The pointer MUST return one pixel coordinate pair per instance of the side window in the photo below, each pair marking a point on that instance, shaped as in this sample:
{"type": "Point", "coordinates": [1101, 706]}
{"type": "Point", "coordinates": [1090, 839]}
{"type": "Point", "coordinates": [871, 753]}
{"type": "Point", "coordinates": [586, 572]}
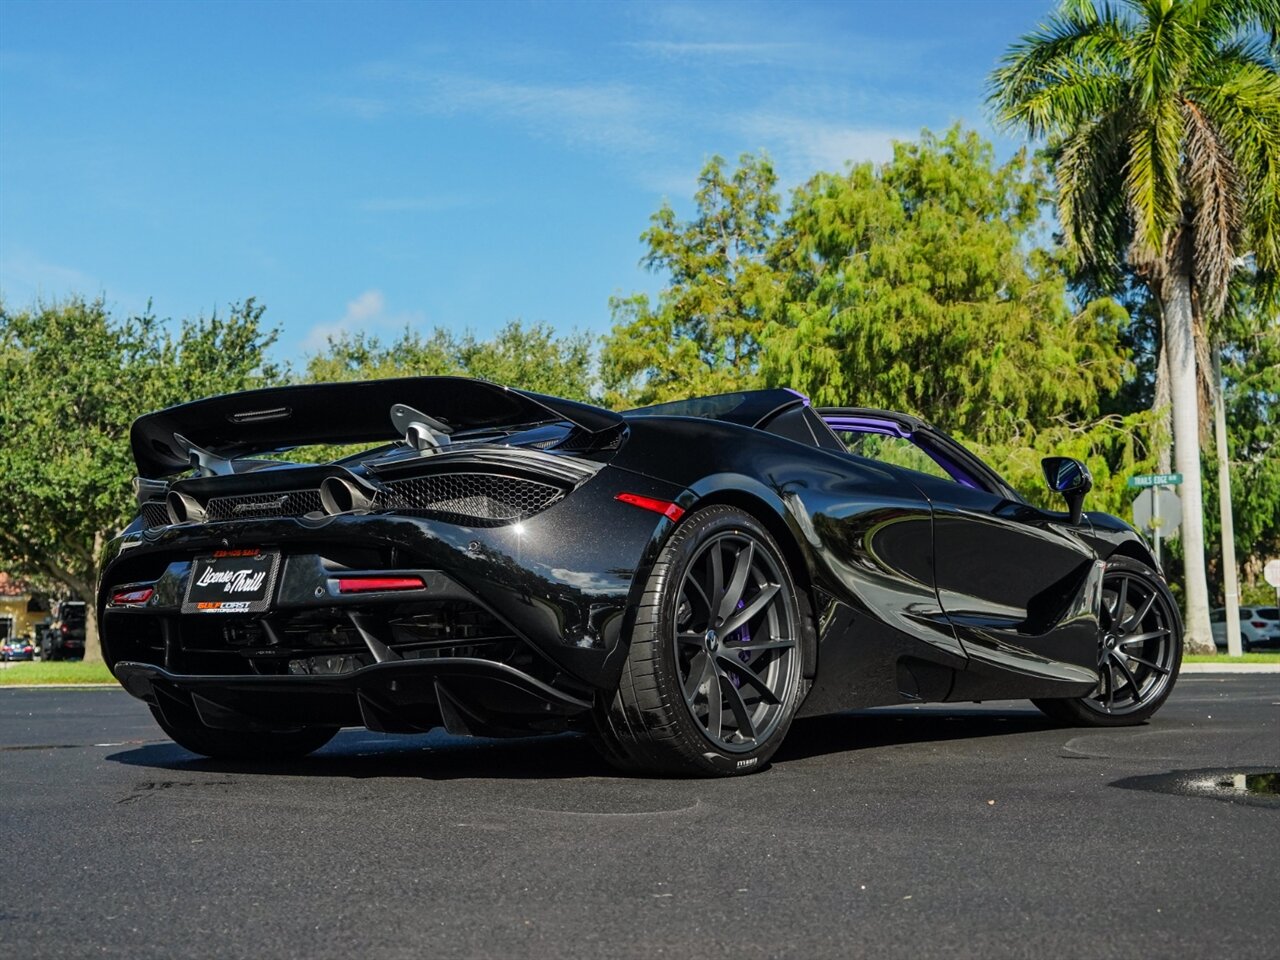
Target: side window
{"type": "Point", "coordinates": [1217, 616]}
{"type": "Point", "coordinates": [896, 451]}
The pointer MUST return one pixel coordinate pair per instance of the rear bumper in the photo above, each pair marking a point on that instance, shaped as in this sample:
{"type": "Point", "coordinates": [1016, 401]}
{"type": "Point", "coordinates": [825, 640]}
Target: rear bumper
{"type": "Point", "coordinates": [560, 581]}
{"type": "Point", "coordinates": [465, 696]}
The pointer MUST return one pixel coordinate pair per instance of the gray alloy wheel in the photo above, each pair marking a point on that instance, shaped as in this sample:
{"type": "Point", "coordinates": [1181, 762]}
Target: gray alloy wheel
{"type": "Point", "coordinates": [737, 635]}
{"type": "Point", "coordinates": [1139, 650]}
{"type": "Point", "coordinates": [714, 673]}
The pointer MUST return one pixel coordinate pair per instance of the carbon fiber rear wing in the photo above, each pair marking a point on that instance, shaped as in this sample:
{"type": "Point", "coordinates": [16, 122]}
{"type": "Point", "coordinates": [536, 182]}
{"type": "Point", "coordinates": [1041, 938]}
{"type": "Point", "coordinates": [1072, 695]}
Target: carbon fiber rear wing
{"type": "Point", "coordinates": [257, 421]}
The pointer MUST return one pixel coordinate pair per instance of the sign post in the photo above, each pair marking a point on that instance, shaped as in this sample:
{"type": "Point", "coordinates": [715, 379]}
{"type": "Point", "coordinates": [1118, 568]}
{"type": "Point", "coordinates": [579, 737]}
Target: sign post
{"type": "Point", "coordinates": [1144, 480]}
{"type": "Point", "coordinates": [1271, 574]}
{"type": "Point", "coordinates": [1156, 510]}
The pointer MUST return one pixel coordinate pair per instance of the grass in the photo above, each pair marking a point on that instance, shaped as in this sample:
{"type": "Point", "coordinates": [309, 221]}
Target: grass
{"type": "Point", "coordinates": [58, 672]}
{"type": "Point", "coordinates": [1223, 658]}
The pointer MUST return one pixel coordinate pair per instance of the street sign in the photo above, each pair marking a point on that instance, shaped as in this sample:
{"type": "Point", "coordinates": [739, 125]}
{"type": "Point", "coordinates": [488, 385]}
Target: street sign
{"type": "Point", "coordinates": [1155, 480]}
{"type": "Point", "coordinates": [1159, 511]}
{"type": "Point", "coordinates": [1271, 573]}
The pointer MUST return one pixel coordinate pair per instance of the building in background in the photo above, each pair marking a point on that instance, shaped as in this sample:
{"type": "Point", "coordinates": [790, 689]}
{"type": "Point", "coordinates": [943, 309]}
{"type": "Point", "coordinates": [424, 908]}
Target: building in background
{"type": "Point", "coordinates": [20, 610]}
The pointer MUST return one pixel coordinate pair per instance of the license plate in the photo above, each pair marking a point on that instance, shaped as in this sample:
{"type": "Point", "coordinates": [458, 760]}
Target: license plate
{"type": "Point", "coordinates": [232, 581]}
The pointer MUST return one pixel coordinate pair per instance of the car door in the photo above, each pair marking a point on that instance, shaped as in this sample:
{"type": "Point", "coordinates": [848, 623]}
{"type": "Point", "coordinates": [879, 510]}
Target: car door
{"type": "Point", "coordinates": [1020, 586]}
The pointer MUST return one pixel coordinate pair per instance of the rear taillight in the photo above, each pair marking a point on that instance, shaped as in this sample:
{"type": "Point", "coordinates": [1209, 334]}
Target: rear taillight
{"type": "Point", "coordinates": [1258, 623]}
{"type": "Point", "coordinates": [378, 584]}
{"type": "Point", "coordinates": [128, 597]}
{"type": "Point", "coordinates": [65, 628]}
{"type": "Point", "coordinates": [672, 511]}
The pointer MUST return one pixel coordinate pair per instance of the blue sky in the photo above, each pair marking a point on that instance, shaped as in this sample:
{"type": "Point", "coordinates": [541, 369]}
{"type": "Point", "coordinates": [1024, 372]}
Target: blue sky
{"type": "Point", "coordinates": [368, 165]}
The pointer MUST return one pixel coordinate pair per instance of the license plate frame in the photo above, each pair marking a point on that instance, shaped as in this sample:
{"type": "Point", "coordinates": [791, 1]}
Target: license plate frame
{"type": "Point", "coordinates": [232, 582]}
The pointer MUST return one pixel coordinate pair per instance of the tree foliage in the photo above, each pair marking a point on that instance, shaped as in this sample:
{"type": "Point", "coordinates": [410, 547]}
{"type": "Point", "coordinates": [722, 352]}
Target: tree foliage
{"type": "Point", "coordinates": [925, 284]}
{"type": "Point", "coordinates": [74, 380]}
{"type": "Point", "coordinates": [702, 336]}
{"type": "Point", "coordinates": [532, 357]}
{"type": "Point", "coordinates": [1164, 119]}
{"type": "Point", "coordinates": [919, 286]}
{"type": "Point", "coordinates": [1250, 352]}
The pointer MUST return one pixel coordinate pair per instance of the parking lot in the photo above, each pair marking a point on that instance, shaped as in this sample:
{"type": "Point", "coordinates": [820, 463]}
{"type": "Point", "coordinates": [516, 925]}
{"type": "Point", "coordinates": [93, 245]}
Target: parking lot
{"type": "Point", "coordinates": [965, 831]}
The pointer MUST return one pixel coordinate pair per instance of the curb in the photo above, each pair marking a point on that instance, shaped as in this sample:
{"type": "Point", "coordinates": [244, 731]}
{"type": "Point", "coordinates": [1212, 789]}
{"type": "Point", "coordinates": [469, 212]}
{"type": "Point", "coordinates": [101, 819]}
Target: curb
{"type": "Point", "coordinates": [1230, 668]}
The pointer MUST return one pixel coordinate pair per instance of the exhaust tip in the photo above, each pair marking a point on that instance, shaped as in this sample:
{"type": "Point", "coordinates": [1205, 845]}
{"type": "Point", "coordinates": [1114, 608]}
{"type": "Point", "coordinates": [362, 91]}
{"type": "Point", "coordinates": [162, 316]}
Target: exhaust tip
{"type": "Point", "coordinates": [183, 509]}
{"type": "Point", "coordinates": [339, 496]}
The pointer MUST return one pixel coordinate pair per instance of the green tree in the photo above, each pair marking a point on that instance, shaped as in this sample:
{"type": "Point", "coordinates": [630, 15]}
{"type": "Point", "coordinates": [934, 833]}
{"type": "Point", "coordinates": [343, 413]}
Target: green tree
{"type": "Point", "coordinates": [1250, 361]}
{"type": "Point", "coordinates": [919, 286]}
{"type": "Point", "coordinates": [702, 336]}
{"type": "Point", "coordinates": [531, 357]}
{"type": "Point", "coordinates": [1164, 117]}
{"type": "Point", "coordinates": [74, 380]}
{"type": "Point", "coordinates": [362, 356]}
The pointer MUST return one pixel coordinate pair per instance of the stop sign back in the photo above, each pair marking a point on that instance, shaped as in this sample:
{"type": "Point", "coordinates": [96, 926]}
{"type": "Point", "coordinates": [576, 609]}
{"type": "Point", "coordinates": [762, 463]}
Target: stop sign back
{"type": "Point", "coordinates": [1271, 573]}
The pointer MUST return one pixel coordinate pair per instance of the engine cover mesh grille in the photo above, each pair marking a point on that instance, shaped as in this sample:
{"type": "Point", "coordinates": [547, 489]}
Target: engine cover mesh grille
{"type": "Point", "coordinates": [471, 498]}
{"type": "Point", "coordinates": [290, 503]}
{"type": "Point", "coordinates": [154, 514]}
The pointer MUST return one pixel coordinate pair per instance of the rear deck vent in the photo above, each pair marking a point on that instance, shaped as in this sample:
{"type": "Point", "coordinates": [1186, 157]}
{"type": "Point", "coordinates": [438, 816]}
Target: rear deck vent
{"type": "Point", "coordinates": [486, 499]}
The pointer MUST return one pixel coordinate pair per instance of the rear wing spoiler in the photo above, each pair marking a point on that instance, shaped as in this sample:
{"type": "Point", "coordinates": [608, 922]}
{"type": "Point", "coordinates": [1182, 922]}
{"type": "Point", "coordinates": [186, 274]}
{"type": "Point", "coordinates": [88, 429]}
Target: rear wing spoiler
{"type": "Point", "coordinates": [258, 421]}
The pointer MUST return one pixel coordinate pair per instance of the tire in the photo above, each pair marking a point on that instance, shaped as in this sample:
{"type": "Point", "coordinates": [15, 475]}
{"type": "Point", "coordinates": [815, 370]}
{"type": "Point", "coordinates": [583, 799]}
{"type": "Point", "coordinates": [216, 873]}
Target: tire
{"type": "Point", "coordinates": [1246, 645]}
{"type": "Point", "coordinates": [1138, 614]}
{"type": "Point", "coordinates": [244, 745]}
{"type": "Point", "coordinates": [746, 681]}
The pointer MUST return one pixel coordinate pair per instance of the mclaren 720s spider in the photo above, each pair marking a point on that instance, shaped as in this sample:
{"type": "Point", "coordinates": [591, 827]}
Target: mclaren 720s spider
{"type": "Point", "coordinates": [679, 581]}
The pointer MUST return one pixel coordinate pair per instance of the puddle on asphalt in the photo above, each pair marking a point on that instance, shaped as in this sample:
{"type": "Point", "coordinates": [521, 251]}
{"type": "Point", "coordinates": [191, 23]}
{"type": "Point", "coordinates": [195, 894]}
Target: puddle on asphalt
{"type": "Point", "coordinates": [1253, 786]}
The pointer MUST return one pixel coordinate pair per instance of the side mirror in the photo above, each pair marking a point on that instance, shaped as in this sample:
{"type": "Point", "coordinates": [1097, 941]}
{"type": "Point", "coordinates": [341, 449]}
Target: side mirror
{"type": "Point", "coordinates": [1072, 479]}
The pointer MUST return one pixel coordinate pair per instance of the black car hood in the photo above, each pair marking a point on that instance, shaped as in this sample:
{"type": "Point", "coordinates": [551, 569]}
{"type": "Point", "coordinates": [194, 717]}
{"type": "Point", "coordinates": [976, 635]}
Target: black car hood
{"type": "Point", "coordinates": [256, 421]}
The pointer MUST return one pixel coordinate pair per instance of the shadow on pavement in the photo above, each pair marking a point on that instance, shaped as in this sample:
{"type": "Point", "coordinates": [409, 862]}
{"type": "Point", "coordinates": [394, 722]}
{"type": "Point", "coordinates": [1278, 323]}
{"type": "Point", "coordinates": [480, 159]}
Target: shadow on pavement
{"type": "Point", "coordinates": [843, 732]}
{"type": "Point", "coordinates": [438, 756]}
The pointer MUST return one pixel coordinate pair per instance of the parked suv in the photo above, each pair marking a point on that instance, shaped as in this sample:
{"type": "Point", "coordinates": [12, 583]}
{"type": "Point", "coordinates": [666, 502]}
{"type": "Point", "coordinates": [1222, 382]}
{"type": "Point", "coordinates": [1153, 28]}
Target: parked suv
{"type": "Point", "coordinates": [64, 638]}
{"type": "Point", "coordinates": [1259, 627]}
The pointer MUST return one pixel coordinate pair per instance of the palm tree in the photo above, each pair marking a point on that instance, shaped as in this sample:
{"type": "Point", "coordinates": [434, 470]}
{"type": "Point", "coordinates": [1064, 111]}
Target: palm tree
{"type": "Point", "coordinates": [1164, 120]}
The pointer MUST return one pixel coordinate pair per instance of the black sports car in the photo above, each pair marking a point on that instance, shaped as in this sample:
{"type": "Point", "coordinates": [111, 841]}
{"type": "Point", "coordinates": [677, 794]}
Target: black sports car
{"type": "Point", "coordinates": [680, 581]}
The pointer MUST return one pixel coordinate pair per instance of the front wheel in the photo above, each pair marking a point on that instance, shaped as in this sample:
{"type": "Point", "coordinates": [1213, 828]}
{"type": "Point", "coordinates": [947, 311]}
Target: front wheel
{"type": "Point", "coordinates": [243, 745]}
{"type": "Point", "coordinates": [1139, 651]}
{"type": "Point", "coordinates": [714, 673]}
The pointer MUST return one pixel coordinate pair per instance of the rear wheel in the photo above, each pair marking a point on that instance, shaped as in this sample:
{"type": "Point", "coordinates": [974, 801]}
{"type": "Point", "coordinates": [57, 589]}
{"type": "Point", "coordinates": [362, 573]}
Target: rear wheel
{"type": "Point", "coordinates": [713, 676]}
{"type": "Point", "coordinates": [1139, 651]}
{"type": "Point", "coordinates": [246, 745]}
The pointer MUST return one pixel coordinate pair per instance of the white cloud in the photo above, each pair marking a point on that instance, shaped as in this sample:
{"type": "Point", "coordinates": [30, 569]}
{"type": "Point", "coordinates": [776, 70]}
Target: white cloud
{"type": "Point", "coordinates": [365, 108]}
{"type": "Point", "coordinates": [611, 115]}
{"type": "Point", "coordinates": [26, 277]}
{"type": "Point", "coordinates": [807, 145]}
{"type": "Point", "coordinates": [740, 52]}
{"type": "Point", "coordinates": [365, 307]}
{"type": "Point", "coordinates": [367, 313]}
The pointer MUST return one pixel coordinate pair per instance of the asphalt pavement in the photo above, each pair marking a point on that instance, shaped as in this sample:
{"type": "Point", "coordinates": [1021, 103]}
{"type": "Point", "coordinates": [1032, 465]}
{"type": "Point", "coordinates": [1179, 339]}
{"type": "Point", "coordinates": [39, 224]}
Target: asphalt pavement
{"type": "Point", "coordinates": [917, 832]}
